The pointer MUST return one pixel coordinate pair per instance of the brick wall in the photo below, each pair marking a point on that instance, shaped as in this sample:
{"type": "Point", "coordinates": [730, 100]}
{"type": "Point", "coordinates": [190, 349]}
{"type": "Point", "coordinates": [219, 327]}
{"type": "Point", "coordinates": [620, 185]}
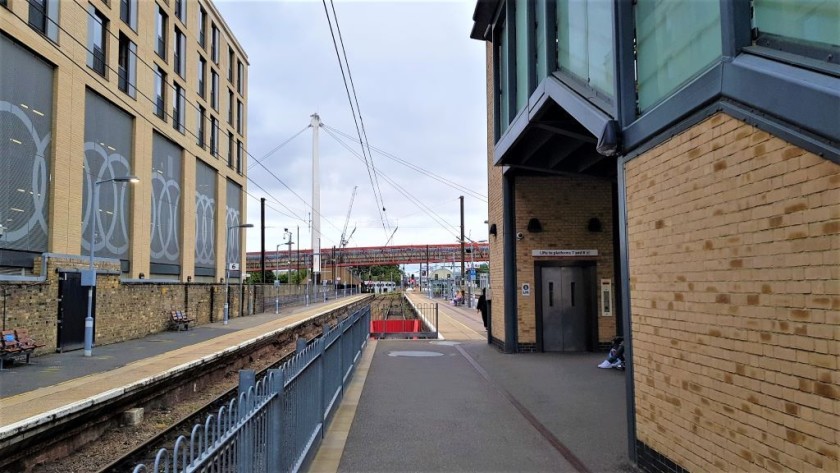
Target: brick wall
{"type": "Point", "coordinates": [563, 206]}
{"type": "Point", "coordinates": [124, 311]}
{"type": "Point", "coordinates": [495, 216]}
{"type": "Point", "coordinates": [734, 243]}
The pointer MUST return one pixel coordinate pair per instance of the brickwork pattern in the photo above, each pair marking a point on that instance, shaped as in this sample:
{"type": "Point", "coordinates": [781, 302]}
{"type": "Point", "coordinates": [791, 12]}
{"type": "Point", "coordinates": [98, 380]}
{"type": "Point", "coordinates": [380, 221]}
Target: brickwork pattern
{"type": "Point", "coordinates": [124, 311]}
{"type": "Point", "coordinates": [734, 244]}
{"type": "Point", "coordinates": [495, 216]}
{"type": "Point", "coordinates": [563, 206]}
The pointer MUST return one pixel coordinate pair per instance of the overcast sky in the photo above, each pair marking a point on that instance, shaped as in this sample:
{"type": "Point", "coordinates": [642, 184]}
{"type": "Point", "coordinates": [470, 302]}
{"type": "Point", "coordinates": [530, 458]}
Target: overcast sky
{"type": "Point", "coordinates": [421, 87]}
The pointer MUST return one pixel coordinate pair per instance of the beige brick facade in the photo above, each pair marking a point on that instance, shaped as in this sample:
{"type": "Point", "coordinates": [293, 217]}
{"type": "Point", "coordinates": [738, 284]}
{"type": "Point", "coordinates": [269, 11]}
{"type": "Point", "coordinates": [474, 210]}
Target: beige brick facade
{"type": "Point", "coordinates": [734, 249]}
{"type": "Point", "coordinates": [495, 216]}
{"type": "Point", "coordinates": [73, 78]}
{"type": "Point", "coordinates": [563, 205]}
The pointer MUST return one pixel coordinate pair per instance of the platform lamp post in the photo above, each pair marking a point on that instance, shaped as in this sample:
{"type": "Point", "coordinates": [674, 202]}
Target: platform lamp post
{"type": "Point", "coordinates": [227, 266]}
{"type": "Point", "coordinates": [90, 277]}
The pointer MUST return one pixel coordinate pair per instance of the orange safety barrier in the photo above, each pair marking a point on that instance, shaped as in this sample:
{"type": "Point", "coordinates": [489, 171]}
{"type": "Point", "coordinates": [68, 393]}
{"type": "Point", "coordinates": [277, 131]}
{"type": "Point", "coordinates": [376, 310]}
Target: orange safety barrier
{"type": "Point", "coordinates": [394, 326]}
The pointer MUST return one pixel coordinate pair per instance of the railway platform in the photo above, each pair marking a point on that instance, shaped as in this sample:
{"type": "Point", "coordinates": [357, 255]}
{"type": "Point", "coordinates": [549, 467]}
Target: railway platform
{"type": "Point", "coordinates": [458, 404]}
{"type": "Point", "coordinates": [453, 404]}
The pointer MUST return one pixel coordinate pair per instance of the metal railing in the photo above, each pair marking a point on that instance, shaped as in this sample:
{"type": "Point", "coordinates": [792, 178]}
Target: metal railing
{"type": "Point", "coordinates": [276, 423]}
{"type": "Point", "coordinates": [303, 295]}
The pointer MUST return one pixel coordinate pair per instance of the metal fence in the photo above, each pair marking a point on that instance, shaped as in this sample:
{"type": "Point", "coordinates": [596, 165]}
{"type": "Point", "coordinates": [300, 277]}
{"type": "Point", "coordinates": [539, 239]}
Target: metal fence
{"type": "Point", "coordinates": [275, 424]}
{"type": "Point", "coordinates": [304, 295]}
{"type": "Point", "coordinates": [428, 313]}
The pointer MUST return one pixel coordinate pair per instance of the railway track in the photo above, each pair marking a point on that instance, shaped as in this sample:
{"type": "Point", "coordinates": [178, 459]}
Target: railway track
{"type": "Point", "coordinates": [146, 452]}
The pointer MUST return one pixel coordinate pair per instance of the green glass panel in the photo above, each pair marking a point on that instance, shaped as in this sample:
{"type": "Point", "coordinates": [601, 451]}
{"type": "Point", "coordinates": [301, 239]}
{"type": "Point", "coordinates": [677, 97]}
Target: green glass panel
{"type": "Point", "coordinates": [809, 20]}
{"type": "Point", "coordinates": [541, 66]}
{"type": "Point", "coordinates": [585, 42]}
{"type": "Point", "coordinates": [599, 34]}
{"type": "Point", "coordinates": [522, 56]}
{"type": "Point", "coordinates": [503, 75]}
{"type": "Point", "coordinates": [675, 42]}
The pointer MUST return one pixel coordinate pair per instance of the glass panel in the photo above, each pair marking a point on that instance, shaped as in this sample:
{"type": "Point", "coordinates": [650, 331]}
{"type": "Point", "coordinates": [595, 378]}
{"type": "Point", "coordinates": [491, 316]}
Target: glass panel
{"type": "Point", "coordinates": [815, 21]}
{"type": "Point", "coordinates": [108, 154]}
{"type": "Point", "coordinates": [166, 202]}
{"type": "Point", "coordinates": [503, 75]}
{"type": "Point", "coordinates": [96, 41]}
{"type": "Point", "coordinates": [38, 15]}
{"type": "Point", "coordinates": [161, 33]}
{"type": "Point", "coordinates": [205, 216]}
{"type": "Point", "coordinates": [522, 60]}
{"type": "Point", "coordinates": [539, 39]}
{"type": "Point", "coordinates": [585, 42]}
{"type": "Point", "coordinates": [199, 136]}
{"type": "Point", "coordinates": [26, 99]}
{"type": "Point", "coordinates": [675, 42]}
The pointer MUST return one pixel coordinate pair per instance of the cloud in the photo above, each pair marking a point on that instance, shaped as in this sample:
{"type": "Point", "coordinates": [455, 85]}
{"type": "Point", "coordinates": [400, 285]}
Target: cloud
{"type": "Point", "coordinates": [420, 82]}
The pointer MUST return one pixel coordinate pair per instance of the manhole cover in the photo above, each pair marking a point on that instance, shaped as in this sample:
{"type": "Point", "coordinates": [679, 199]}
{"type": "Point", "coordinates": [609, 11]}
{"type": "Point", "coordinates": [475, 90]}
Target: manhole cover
{"type": "Point", "coordinates": [446, 343]}
{"type": "Point", "coordinates": [415, 353]}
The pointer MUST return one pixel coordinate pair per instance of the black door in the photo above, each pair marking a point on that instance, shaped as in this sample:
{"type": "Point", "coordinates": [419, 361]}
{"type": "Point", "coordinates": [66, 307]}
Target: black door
{"type": "Point", "coordinates": [72, 310]}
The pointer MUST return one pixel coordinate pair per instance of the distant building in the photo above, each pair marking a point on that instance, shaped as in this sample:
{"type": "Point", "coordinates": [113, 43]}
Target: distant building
{"type": "Point", "coordinates": [668, 171]}
{"type": "Point", "coordinates": [441, 274]}
{"type": "Point", "coordinates": [89, 92]}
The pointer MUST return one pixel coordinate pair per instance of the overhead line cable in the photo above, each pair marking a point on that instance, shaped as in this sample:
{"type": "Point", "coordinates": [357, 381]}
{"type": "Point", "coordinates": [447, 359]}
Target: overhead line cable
{"type": "Point", "coordinates": [442, 222]}
{"type": "Point", "coordinates": [380, 204]}
{"type": "Point", "coordinates": [259, 161]}
{"type": "Point", "coordinates": [414, 167]}
{"type": "Point", "coordinates": [358, 107]}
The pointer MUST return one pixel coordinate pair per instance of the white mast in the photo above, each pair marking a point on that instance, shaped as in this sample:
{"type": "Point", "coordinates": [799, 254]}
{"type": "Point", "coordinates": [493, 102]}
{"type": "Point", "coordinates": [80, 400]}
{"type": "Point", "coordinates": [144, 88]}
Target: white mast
{"type": "Point", "coordinates": [316, 203]}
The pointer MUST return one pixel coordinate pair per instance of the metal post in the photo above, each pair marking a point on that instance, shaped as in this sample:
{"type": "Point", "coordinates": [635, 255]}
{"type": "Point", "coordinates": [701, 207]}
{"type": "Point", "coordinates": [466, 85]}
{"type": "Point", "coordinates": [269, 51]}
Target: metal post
{"type": "Point", "coordinates": [227, 278]}
{"type": "Point", "coordinates": [94, 204]}
{"type": "Point", "coordinates": [94, 207]}
{"type": "Point", "coordinates": [277, 286]}
{"type": "Point", "coordinates": [262, 239]}
{"type": "Point", "coordinates": [316, 201]}
{"type": "Point", "coordinates": [274, 434]}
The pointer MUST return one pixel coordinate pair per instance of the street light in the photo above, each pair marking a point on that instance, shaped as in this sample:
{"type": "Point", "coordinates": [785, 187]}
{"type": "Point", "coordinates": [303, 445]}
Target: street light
{"type": "Point", "coordinates": [227, 264]}
{"type": "Point", "coordinates": [90, 279]}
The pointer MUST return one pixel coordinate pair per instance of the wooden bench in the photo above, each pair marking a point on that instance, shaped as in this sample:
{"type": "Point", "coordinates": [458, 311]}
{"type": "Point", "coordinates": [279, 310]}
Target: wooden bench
{"type": "Point", "coordinates": [179, 321]}
{"type": "Point", "coordinates": [11, 349]}
{"type": "Point", "coordinates": [25, 340]}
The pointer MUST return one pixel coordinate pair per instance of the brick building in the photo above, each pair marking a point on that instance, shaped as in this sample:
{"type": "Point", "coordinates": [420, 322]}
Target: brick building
{"type": "Point", "coordinates": [94, 91]}
{"type": "Point", "coordinates": [673, 168]}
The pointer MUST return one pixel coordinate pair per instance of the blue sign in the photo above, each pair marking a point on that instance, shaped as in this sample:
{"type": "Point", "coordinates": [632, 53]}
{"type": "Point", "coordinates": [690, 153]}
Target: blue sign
{"type": "Point", "coordinates": [472, 274]}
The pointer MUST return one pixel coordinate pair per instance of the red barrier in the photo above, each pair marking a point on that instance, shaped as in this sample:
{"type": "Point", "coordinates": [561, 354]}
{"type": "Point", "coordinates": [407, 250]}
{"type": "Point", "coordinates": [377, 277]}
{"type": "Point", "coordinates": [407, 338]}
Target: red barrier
{"type": "Point", "coordinates": [394, 326]}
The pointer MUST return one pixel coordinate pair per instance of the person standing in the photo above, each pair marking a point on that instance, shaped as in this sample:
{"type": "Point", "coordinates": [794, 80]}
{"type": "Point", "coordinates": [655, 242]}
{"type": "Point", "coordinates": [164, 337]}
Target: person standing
{"type": "Point", "coordinates": [481, 306]}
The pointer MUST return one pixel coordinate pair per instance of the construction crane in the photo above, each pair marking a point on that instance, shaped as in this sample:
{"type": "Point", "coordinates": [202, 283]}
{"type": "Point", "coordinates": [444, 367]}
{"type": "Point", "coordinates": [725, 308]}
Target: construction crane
{"type": "Point", "coordinates": [344, 237]}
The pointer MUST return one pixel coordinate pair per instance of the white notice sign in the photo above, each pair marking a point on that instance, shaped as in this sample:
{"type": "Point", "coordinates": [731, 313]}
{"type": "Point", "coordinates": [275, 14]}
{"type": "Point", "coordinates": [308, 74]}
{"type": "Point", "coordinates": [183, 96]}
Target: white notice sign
{"type": "Point", "coordinates": [564, 252]}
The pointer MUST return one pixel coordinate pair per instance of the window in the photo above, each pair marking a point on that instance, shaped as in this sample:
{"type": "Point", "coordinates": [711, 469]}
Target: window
{"type": "Point", "coordinates": [675, 42]}
{"type": "Point", "coordinates": [214, 90]}
{"type": "Point", "coordinates": [202, 72]}
{"type": "Point", "coordinates": [43, 17]}
{"type": "Point", "coordinates": [127, 70]}
{"type": "Point", "coordinates": [160, 29]}
{"type": "Point", "coordinates": [179, 59]}
{"type": "Point", "coordinates": [230, 107]}
{"type": "Point", "coordinates": [199, 135]}
{"type": "Point", "coordinates": [239, 116]}
{"type": "Point", "coordinates": [231, 63]}
{"type": "Point", "coordinates": [214, 136]}
{"type": "Point", "coordinates": [128, 13]}
{"type": "Point", "coordinates": [239, 156]}
{"type": "Point", "coordinates": [38, 15]}
{"type": "Point", "coordinates": [202, 28]}
{"type": "Point", "coordinates": [585, 43]}
{"type": "Point", "coordinates": [230, 149]}
{"type": "Point", "coordinates": [214, 43]}
{"type": "Point", "coordinates": [181, 10]}
{"type": "Point", "coordinates": [178, 108]}
{"type": "Point", "coordinates": [97, 38]}
{"type": "Point", "coordinates": [521, 60]}
{"type": "Point", "coordinates": [809, 29]}
{"type": "Point", "coordinates": [160, 94]}
{"type": "Point", "coordinates": [240, 79]}
{"type": "Point", "coordinates": [502, 74]}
